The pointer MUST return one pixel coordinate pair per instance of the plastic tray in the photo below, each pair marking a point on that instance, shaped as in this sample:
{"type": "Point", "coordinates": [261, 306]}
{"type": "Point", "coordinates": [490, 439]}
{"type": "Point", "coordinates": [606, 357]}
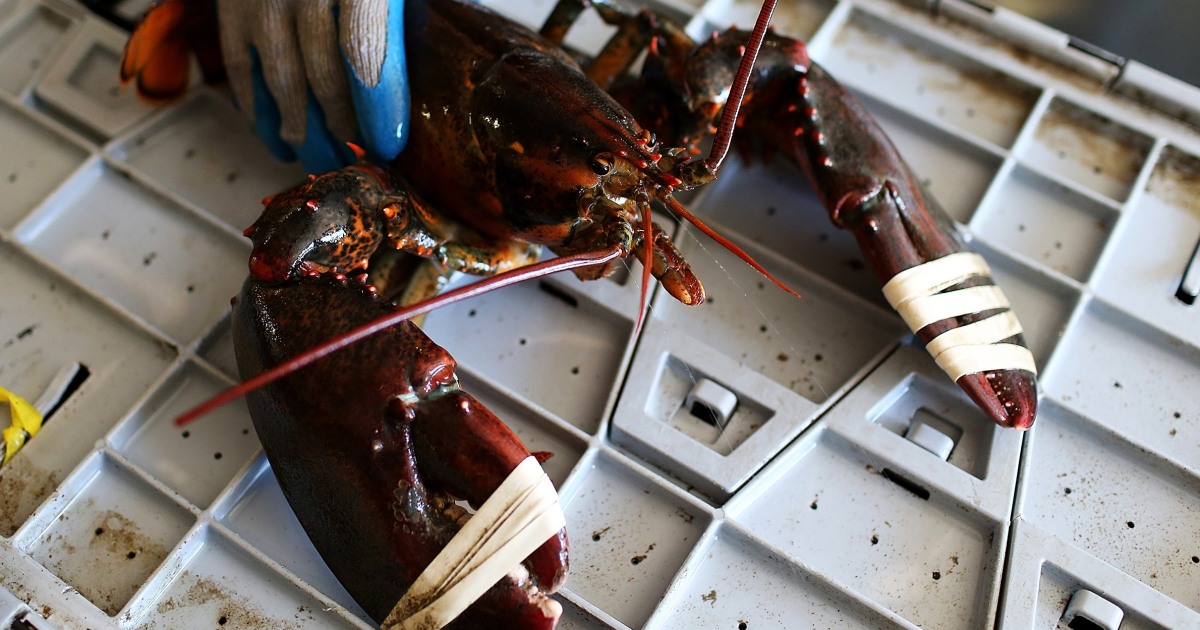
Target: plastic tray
{"type": "Point", "coordinates": [820, 503]}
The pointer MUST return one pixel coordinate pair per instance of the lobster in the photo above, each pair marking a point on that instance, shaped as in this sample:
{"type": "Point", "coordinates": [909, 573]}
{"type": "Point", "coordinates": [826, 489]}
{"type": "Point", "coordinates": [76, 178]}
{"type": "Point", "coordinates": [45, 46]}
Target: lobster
{"type": "Point", "coordinates": [481, 188]}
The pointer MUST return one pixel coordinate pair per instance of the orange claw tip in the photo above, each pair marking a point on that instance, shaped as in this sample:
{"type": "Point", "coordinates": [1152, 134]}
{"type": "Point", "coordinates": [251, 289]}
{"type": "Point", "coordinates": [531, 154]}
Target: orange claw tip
{"type": "Point", "coordinates": [359, 152]}
{"type": "Point", "coordinates": [156, 54]}
{"type": "Point", "coordinates": [1008, 397]}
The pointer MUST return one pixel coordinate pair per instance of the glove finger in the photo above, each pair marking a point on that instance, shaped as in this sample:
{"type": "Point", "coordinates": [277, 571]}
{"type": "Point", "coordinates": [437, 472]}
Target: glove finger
{"type": "Point", "coordinates": [321, 151]}
{"type": "Point", "coordinates": [317, 32]}
{"type": "Point", "coordinates": [265, 112]}
{"type": "Point", "coordinates": [364, 33]}
{"type": "Point", "coordinates": [382, 107]}
{"type": "Point", "coordinates": [282, 67]}
{"type": "Point", "coordinates": [235, 48]}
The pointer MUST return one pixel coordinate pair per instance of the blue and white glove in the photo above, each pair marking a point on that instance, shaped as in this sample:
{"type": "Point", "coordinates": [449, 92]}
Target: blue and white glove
{"type": "Point", "coordinates": [313, 74]}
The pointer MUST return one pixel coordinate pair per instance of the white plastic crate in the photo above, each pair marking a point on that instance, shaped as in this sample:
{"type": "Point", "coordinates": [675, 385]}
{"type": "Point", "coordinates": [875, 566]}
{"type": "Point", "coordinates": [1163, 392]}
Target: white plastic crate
{"type": "Point", "coordinates": [820, 503]}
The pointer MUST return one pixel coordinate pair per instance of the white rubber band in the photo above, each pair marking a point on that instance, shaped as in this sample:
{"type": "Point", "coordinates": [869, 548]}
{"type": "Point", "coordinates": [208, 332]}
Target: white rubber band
{"type": "Point", "coordinates": [994, 329]}
{"type": "Point", "coordinates": [923, 311]}
{"type": "Point", "coordinates": [961, 360]}
{"type": "Point", "coordinates": [520, 515]}
{"type": "Point", "coordinates": [934, 276]}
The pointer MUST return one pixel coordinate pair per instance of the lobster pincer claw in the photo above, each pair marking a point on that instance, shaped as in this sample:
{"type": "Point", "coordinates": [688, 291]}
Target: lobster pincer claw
{"type": "Point", "coordinates": [986, 353]}
{"type": "Point", "coordinates": [373, 464]}
{"type": "Point", "coordinates": [942, 290]}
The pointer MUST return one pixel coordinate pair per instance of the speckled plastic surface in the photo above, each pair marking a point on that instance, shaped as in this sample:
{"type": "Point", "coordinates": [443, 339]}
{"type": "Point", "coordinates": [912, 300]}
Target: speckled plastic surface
{"type": "Point", "coordinates": [120, 246]}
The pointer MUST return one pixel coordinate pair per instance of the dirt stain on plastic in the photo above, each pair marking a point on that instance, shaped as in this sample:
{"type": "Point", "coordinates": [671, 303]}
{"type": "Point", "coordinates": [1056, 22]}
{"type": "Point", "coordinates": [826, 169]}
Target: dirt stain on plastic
{"type": "Point", "coordinates": [1095, 142]}
{"type": "Point", "coordinates": [226, 609]}
{"type": "Point", "coordinates": [23, 487]}
{"type": "Point", "coordinates": [1176, 180]}
{"type": "Point", "coordinates": [117, 547]}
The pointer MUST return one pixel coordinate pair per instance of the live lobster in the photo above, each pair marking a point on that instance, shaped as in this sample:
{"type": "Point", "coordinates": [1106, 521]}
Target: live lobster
{"type": "Point", "coordinates": [371, 445]}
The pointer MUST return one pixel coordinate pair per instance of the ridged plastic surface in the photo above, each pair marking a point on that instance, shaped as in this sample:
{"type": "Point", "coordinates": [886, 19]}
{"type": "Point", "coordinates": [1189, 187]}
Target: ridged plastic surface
{"type": "Point", "coordinates": [120, 246]}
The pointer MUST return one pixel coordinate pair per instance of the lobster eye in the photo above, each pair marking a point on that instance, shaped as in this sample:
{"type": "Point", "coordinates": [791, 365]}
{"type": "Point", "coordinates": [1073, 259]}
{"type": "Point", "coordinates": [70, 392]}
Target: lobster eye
{"type": "Point", "coordinates": [602, 163]}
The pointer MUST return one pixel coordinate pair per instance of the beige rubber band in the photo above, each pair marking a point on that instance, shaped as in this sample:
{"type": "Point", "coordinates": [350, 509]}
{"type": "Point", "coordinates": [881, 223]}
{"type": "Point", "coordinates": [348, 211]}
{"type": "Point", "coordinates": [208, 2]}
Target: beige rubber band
{"type": "Point", "coordinates": [520, 515]}
{"type": "Point", "coordinates": [970, 349]}
{"type": "Point", "coordinates": [962, 360]}
{"type": "Point", "coordinates": [923, 311]}
{"type": "Point", "coordinates": [933, 276]}
{"type": "Point", "coordinates": [994, 329]}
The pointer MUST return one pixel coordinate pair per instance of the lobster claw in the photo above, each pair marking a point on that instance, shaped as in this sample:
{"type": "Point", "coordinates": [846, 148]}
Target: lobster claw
{"type": "Point", "coordinates": [372, 464]}
{"type": "Point", "coordinates": [943, 291]}
{"type": "Point", "coordinates": [157, 53]}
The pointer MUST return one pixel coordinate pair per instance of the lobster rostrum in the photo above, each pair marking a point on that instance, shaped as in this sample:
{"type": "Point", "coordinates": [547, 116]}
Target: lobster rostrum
{"type": "Point", "coordinates": [481, 187]}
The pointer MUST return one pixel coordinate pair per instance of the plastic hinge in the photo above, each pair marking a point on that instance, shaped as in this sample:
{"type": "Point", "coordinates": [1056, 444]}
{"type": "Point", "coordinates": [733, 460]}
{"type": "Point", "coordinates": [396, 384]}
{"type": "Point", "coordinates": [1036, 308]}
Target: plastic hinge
{"type": "Point", "coordinates": [1029, 34]}
{"type": "Point", "coordinates": [1159, 90]}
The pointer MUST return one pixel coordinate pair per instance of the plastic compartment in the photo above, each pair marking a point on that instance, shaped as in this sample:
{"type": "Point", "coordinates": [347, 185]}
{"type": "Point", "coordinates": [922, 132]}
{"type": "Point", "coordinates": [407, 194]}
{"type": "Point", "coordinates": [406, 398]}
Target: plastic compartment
{"type": "Point", "coordinates": [918, 75]}
{"type": "Point", "coordinates": [1088, 149]}
{"type": "Point", "coordinates": [518, 334]}
{"type": "Point", "coordinates": [83, 83]}
{"type": "Point", "coordinates": [205, 455]}
{"type": "Point", "coordinates": [873, 534]}
{"type": "Point", "coordinates": [742, 584]}
{"type": "Point", "coordinates": [31, 34]}
{"type": "Point", "coordinates": [27, 176]}
{"type": "Point", "coordinates": [772, 205]}
{"type": "Point", "coordinates": [1154, 245]}
{"type": "Point", "coordinates": [956, 171]}
{"type": "Point", "coordinates": [819, 504]}
{"type": "Point", "coordinates": [1088, 486]}
{"type": "Point", "coordinates": [256, 511]}
{"type": "Point", "coordinates": [1141, 388]}
{"type": "Point", "coordinates": [221, 586]}
{"type": "Point", "coordinates": [641, 533]}
{"type": "Point", "coordinates": [1046, 222]}
{"type": "Point", "coordinates": [148, 253]}
{"type": "Point", "coordinates": [787, 359]}
{"type": "Point", "coordinates": [205, 152]}
{"type": "Point", "coordinates": [112, 533]}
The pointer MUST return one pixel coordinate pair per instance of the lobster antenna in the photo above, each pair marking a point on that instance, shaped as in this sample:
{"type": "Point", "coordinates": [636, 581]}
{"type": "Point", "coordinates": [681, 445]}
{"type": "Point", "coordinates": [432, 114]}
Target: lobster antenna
{"type": "Point", "coordinates": [499, 281]}
{"type": "Point", "coordinates": [647, 264]}
{"type": "Point", "coordinates": [722, 140]}
{"type": "Point", "coordinates": [679, 209]}
{"type": "Point", "coordinates": [733, 104]}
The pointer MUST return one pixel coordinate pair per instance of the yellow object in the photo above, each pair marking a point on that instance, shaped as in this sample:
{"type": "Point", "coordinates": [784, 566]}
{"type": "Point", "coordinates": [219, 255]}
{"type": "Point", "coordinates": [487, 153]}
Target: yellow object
{"type": "Point", "coordinates": [26, 422]}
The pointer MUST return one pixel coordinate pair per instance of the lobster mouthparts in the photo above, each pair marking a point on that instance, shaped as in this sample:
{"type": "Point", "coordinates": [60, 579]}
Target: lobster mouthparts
{"type": "Point", "coordinates": [373, 445]}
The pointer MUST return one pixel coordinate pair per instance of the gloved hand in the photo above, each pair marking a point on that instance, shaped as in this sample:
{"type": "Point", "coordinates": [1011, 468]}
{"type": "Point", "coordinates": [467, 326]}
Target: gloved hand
{"type": "Point", "coordinates": [313, 74]}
